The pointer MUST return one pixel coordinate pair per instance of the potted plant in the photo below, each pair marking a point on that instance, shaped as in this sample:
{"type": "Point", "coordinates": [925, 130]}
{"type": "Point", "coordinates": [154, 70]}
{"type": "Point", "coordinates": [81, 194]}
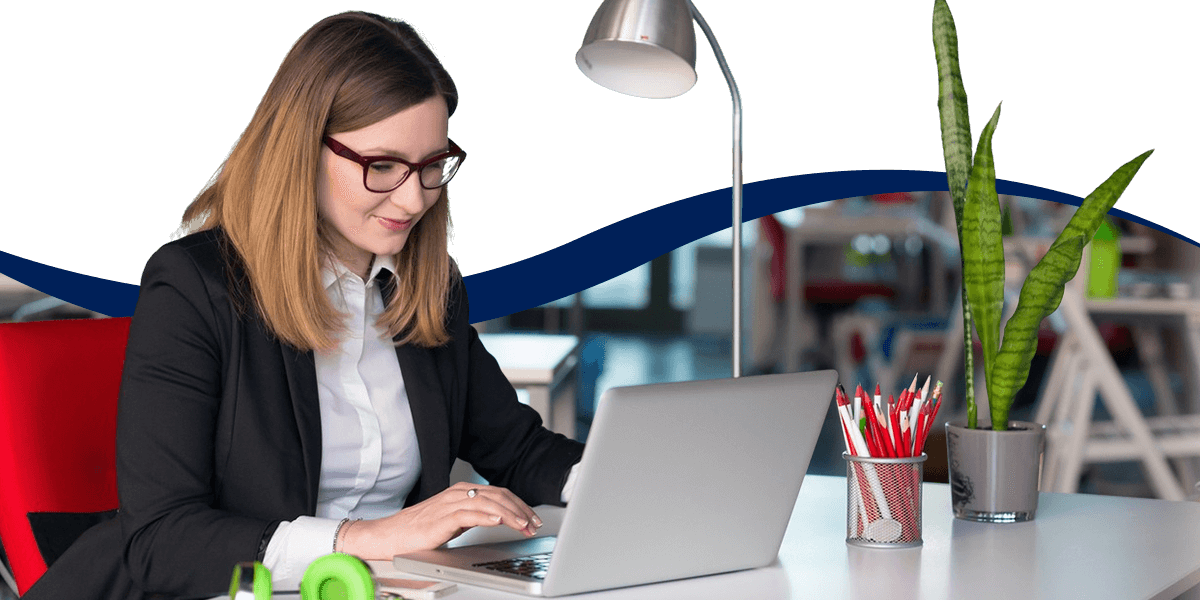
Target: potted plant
{"type": "Point", "coordinates": [994, 470]}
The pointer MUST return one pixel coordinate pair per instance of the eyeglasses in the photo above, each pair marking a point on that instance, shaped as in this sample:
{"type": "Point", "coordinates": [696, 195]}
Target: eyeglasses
{"type": "Point", "coordinates": [386, 173]}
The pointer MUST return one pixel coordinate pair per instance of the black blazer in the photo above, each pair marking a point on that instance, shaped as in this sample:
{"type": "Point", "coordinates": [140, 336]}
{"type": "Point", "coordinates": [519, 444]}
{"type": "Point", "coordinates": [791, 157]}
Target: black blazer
{"type": "Point", "coordinates": [219, 433]}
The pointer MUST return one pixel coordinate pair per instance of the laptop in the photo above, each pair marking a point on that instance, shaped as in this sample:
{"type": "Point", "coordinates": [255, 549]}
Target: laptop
{"type": "Point", "coordinates": [677, 480]}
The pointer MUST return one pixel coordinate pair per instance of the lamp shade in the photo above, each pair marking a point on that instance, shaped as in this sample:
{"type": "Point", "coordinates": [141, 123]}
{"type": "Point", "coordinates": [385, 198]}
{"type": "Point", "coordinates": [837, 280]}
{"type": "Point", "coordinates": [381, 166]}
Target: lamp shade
{"type": "Point", "coordinates": [643, 48]}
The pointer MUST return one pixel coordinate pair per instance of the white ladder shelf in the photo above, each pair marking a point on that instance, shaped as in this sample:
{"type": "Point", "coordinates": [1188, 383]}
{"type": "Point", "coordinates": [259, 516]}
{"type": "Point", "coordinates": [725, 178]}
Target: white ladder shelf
{"type": "Point", "coordinates": [1083, 367]}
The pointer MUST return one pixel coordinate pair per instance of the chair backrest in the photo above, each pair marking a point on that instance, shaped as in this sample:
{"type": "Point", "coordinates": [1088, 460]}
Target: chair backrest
{"type": "Point", "coordinates": [59, 383]}
{"type": "Point", "coordinates": [776, 236]}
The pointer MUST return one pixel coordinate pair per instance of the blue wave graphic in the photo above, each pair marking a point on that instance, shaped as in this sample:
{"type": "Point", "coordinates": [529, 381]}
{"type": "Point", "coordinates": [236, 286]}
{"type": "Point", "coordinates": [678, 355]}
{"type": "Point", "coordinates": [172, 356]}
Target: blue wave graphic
{"type": "Point", "coordinates": [597, 256]}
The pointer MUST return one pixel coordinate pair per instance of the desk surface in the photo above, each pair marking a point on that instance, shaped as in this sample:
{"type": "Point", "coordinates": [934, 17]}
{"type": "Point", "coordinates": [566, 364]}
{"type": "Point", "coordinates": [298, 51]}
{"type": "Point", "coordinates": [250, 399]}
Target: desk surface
{"type": "Point", "coordinates": [1080, 546]}
{"type": "Point", "coordinates": [529, 358]}
{"type": "Point", "coordinates": [14, 295]}
{"type": "Point", "coordinates": [10, 285]}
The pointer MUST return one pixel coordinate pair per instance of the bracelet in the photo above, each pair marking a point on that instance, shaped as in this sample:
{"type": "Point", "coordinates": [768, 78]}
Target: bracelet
{"type": "Point", "coordinates": [338, 532]}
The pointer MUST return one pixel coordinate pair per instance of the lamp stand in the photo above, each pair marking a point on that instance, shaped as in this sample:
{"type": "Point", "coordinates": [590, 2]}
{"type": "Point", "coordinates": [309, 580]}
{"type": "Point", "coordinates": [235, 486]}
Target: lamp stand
{"type": "Point", "coordinates": [737, 189]}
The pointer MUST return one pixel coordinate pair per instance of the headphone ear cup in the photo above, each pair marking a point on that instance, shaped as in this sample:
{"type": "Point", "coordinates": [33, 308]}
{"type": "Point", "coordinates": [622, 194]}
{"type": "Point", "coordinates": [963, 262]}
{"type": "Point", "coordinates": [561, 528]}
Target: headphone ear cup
{"type": "Point", "coordinates": [337, 577]}
{"type": "Point", "coordinates": [250, 580]}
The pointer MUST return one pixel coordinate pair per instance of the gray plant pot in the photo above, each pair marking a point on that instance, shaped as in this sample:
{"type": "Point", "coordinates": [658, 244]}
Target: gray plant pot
{"type": "Point", "coordinates": [994, 474]}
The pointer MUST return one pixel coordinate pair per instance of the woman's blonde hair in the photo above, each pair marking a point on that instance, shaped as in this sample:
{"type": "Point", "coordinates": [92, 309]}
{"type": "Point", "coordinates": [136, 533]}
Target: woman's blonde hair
{"type": "Point", "coordinates": [347, 72]}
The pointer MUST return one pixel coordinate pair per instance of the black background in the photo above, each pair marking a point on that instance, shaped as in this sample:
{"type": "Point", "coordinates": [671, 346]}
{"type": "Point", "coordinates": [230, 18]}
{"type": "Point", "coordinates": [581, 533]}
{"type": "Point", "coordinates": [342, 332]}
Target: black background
{"type": "Point", "coordinates": [118, 119]}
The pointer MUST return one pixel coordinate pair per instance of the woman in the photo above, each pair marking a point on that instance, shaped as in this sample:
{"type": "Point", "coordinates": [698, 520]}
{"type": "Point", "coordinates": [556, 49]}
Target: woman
{"type": "Point", "coordinates": [301, 374]}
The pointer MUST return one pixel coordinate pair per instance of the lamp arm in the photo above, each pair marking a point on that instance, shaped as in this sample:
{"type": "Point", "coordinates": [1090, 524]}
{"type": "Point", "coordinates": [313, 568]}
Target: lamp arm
{"type": "Point", "coordinates": [737, 189]}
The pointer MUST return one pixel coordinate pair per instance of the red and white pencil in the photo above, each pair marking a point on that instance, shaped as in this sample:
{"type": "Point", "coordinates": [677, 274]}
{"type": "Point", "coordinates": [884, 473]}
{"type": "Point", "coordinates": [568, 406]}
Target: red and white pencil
{"type": "Point", "coordinates": [871, 497]}
{"type": "Point", "coordinates": [930, 411]}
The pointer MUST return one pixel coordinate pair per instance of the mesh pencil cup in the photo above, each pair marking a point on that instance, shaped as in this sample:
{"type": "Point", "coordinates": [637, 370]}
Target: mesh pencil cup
{"type": "Point", "coordinates": [883, 501]}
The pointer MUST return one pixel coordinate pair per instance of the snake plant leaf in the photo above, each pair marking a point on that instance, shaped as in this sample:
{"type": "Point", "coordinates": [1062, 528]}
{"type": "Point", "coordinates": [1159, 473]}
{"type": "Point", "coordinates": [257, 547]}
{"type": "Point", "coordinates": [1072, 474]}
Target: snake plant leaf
{"type": "Point", "coordinates": [956, 148]}
{"type": "Point", "coordinates": [1090, 214]}
{"type": "Point", "coordinates": [1040, 296]}
{"type": "Point", "coordinates": [983, 248]}
{"type": "Point", "coordinates": [1043, 290]}
{"type": "Point", "coordinates": [952, 106]}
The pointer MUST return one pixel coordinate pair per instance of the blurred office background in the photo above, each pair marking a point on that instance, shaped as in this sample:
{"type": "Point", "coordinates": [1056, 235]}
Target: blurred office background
{"type": "Point", "coordinates": [865, 285]}
{"type": "Point", "coordinates": [869, 286]}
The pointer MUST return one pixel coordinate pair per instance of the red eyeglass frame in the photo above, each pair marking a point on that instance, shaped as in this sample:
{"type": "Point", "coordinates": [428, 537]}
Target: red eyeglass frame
{"type": "Point", "coordinates": [341, 150]}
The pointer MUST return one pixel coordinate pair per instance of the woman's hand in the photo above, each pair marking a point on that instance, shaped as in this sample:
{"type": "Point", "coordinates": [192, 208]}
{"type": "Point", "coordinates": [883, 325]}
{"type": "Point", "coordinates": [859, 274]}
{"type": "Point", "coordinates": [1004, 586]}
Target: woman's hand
{"type": "Point", "coordinates": [438, 520]}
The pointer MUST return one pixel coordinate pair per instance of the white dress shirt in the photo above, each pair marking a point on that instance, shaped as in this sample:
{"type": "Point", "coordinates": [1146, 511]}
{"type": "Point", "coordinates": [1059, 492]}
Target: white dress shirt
{"type": "Point", "coordinates": [369, 455]}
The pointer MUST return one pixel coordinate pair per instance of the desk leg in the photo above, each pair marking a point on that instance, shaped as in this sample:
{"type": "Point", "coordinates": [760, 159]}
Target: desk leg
{"type": "Point", "coordinates": [563, 413]}
{"type": "Point", "coordinates": [539, 400]}
{"type": "Point", "coordinates": [556, 409]}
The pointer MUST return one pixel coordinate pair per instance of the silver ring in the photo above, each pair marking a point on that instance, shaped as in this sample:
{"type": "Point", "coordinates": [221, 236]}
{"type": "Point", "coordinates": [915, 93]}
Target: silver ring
{"type": "Point", "coordinates": [472, 492]}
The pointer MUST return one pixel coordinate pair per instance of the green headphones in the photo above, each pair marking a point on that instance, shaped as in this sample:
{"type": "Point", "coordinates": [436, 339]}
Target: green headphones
{"type": "Point", "coordinates": [331, 577]}
{"type": "Point", "coordinates": [251, 580]}
{"type": "Point", "coordinates": [337, 577]}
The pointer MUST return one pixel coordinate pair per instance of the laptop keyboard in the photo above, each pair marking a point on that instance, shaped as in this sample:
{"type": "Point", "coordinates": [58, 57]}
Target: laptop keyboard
{"type": "Point", "coordinates": [532, 566]}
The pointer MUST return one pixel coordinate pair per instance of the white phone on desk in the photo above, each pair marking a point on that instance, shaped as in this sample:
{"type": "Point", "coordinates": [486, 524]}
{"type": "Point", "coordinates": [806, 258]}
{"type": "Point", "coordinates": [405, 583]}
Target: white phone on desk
{"type": "Point", "coordinates": [412, 589]}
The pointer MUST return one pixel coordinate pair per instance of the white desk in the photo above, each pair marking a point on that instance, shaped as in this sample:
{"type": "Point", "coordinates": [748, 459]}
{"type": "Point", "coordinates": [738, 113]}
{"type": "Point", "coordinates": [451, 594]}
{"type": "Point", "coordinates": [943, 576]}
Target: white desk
{"type": "Point", "coordinates": [1080, 546]}
{"type": "Point", "coordinates": [545, 366]}
{"type": "Point", "coordinates": [8, 285]}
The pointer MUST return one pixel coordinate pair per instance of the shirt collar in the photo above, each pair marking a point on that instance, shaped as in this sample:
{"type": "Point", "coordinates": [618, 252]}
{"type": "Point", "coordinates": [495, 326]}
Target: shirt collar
{"type": "Point", "coordinates": [333, 270]}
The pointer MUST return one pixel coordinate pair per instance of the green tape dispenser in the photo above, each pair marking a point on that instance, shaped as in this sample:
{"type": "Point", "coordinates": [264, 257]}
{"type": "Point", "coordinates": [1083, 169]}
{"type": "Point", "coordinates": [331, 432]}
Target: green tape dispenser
{"type": "Point", "coordinates": [337, 577]}
{"type": "Point", "coordinates": [251, 581]}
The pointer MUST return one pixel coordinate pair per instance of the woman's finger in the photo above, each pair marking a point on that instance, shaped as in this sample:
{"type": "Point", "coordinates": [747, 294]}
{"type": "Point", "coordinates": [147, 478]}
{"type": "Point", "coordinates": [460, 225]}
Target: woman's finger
{"type": "Point", "coordinates": [465, 518]}
{"type": "Point", "coordinates": [516, 511]}
{"type": "Point", "coordinates": [515, 520]}
{"type": "Point", "coordinates": [510, 501]}
{"type": "Point", "coordinates": [519, 506]}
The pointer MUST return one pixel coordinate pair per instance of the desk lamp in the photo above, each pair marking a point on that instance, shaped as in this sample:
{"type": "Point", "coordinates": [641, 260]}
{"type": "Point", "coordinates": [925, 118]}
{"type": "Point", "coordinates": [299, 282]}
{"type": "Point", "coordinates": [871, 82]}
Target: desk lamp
{"type": "Point", "coordinates": [647, 48]}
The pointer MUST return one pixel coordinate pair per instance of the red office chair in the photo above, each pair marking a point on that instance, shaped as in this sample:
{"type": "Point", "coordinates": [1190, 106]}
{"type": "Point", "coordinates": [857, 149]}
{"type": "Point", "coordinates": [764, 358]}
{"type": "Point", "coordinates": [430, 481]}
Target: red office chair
{"type": "Point", "coordinates": [772, 230]}
{"type": "Point", "coordinates": [816, 291]}
{"type": "Point", "coordinates": [59, 383]}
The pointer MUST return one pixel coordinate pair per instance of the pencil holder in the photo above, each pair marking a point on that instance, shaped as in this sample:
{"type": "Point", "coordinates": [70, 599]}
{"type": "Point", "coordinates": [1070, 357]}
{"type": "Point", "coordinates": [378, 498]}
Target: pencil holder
{"type": "Point", "coordinates": [883, 501]}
